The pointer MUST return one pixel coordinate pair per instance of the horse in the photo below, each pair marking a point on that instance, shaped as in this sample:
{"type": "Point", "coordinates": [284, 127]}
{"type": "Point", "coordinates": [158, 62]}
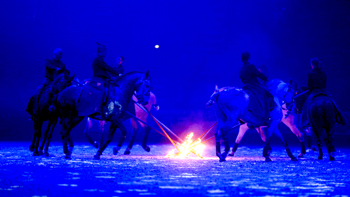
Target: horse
{"type": "Point", "coordinates": [45, 113]}
{"type": "Point", "coordinates": [140, 114]}
{"type": "Point", "coordinates": [232, 107]}
{"type": "Point", "coordinates": [117, 98]}
{"type": "Point", "coordinates": [289, 118]}
{"type": "Point", "coordinates": [324, 118]}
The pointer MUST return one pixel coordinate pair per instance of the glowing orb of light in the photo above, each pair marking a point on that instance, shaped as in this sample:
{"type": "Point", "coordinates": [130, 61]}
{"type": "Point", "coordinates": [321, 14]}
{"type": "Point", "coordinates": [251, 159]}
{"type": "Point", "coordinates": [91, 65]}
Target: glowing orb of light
{"type": "Point", "coordinates": [156, 46]}
{"type": "Point", "coordinates": [187, 147]}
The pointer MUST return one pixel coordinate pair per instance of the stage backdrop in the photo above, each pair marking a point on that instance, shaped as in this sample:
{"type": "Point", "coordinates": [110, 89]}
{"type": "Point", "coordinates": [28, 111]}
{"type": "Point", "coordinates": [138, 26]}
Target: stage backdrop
{"type": "Point", "coordinates": [200, 43]}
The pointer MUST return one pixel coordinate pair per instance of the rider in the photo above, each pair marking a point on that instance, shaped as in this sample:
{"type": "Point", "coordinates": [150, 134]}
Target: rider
{"type": "Point", "coordinates": [259, 98]}
{"type": "Point", "coordinates": [53, 67]}
{"type": "Point", "coordinates": [317, 82]}
{"type": "Point", "coordinates": [119, 66]}
{"type": "Point", "coordinates": [96, 90]}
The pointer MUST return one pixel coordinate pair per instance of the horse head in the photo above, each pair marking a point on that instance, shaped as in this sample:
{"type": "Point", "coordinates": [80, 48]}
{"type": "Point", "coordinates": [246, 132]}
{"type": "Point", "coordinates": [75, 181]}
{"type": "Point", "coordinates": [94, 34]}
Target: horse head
{"type": "Point", "coordinates": [281, 90]}
{"type": "Point", "coordinates": [143, 88]}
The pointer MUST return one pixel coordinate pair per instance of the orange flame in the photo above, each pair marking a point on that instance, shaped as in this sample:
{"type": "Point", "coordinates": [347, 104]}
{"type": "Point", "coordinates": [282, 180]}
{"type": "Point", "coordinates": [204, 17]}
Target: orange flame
{"type": "Point", "coordinates": [187, 147]}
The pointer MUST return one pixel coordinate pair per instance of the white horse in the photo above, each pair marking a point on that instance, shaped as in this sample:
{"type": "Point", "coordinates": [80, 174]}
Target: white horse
{"type": "Point", "coordinates": [289, 118]}
{"type": "Point", "coordinates": [232, 107]}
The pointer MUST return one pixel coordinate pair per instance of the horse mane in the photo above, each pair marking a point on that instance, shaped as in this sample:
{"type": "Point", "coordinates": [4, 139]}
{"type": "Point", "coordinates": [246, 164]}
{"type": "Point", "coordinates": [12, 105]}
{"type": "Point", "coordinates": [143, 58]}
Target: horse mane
{"type": "Point", "coordinates": [126, 75]}
{"type": "Point", "coordinates": [273, 85]}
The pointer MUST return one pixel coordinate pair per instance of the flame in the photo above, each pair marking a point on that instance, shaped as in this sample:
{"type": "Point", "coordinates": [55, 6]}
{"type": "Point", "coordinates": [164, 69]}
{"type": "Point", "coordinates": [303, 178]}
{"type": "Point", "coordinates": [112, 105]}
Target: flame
{"type": "Point", "coordinates": [187, 147]}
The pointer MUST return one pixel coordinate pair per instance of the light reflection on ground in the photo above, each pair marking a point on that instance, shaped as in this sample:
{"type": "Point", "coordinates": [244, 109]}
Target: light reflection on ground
{"type": "Point", "coordinates": [149, 174]}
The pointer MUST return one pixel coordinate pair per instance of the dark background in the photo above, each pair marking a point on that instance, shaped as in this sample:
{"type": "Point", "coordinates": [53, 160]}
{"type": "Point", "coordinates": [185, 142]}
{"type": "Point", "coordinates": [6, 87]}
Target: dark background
{"type": "Point", "coordinates": [200, 46]}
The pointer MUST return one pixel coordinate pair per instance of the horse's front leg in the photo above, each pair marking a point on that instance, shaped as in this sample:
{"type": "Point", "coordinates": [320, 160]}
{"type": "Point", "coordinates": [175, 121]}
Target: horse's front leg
{"type": "Point", "coordinates": [87, 133]}
{"type": "Point", "coordinates": [224, 134]}
{"type": "Point", "coordinates": [32, 146]}
{"type": "Point", "coordinates": [242, 130]}
{"type": "Point", "coordinates": [122, 138]}
{"type": "Point", "coordinates": [267, 147]}
{"type": "Point", "coordinates": [49, 125]}
{"type": "Point", "coordinates": [37, 127]}
{"type": "Point", "coordinates": [46, 152]}
{"type": "Point", "coordinates": [68, 125]}
{"type": "Point", "coordinates": [103, 146]}
{"type": "Point", "coordinates": [144, 141]}
{"type": "Point", "coordinates": [132, 140]}
{"type": "Point", "coordinates": [290, 123]}
{"type": "Point", "coordinates": [217, 141]}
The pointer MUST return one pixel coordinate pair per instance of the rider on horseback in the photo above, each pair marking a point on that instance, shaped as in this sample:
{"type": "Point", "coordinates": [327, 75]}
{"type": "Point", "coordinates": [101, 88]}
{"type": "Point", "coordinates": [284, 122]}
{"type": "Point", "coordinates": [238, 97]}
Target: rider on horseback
{"type": "Point", "coordinates": [53, 67]}
{"type": "Point", "coordinates": [260, 100]}
{"type": "Point", "coordinates": [317, 82]}
{"type": "Point", "coordinates": [96, 91]}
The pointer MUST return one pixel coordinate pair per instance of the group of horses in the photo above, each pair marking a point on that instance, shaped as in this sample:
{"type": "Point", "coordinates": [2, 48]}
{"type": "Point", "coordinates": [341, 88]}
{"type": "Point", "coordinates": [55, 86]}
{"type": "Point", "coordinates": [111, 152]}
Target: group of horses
{"type": "Point", "coordinates": [60, 100]}
{"type": "Point", "coordinates": [232, 107]}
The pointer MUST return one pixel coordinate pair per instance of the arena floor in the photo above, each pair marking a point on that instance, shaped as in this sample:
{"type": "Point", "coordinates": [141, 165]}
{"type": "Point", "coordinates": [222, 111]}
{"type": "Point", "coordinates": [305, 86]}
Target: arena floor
{"type": "Point", "coordinates": [151, 174]}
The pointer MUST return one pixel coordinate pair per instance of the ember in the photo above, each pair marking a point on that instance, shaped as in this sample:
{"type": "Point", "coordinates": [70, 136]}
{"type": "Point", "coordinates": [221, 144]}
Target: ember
{"type": "Point", "coordinates": [187, 147]}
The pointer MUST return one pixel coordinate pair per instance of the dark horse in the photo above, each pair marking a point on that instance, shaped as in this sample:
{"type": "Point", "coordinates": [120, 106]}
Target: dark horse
{"type": "Point", "coordinates": [118, 98]}
{"type": "Point", "coordinates": [44, 113]}
{"type": "Point", "coordinates": [325, 119]}
{"type": "Point", "coordinates": [139, 113]}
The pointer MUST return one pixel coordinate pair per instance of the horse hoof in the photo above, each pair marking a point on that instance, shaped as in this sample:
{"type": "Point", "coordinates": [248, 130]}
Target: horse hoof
{"type": "Point", "coordinates": [294, 159]}
{"type": "Point", "coordinates": [222, 157]}
{"type": "Point", "coordinates": [313, 148]}
{"type": "Point", "coordinates": [46, 154]}
{"type": "Point", "coordinates": [41, 152]}
{"type": "Point", "coordinates": [36, 153]}
{"type": "Point", "coordinates": [301, 155]}
{"type": "Point", "coordinates": [97, 157]}
{"type": "Point", "coordinates": [331, 159]}
{"type": "Point", "coordinates": [31, 148]}
{"type": "Point", "coordinates": [267, 159]}
{"type": "Point", "coordinates": [68, 157]}
{"type": "Point", "coordinates": [127, 152]}
{"type": "Point", "coordinates": [115, 151]}
{"type": "Point", "coordinates": [96, 145]}
{"type": "Point", "coordinates": [231, 154]}
{"type": "Point", "coordinates": [146, 148]}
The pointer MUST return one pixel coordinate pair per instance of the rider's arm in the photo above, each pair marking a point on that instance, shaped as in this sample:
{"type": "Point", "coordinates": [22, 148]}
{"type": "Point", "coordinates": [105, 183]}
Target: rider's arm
{"type": "Point", "coordinates": [105, 66]}
{"type": "Point", "coordinates": [257, 73]}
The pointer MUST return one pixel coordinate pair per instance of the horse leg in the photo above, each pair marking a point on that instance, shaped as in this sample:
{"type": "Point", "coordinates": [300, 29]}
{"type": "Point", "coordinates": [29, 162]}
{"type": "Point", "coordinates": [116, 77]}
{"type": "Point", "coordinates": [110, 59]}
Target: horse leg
{"type": "Point", "coordinates": [102, 127]}
{"type": "Point", "coordinates": [37, 126]}
{"type": "Point", "coordinates": [32, 146]}
{"type": "Point", "coordinates": [132, 140]}
{"type": "Point", "coordinates": [144, 141]}
{"type": "Point", "coordinates": [45, 136]}
{"type": "Point", "coordinates": [103, 146]}
{"type": "Point", "coordinates": [308, 131]}
{"type": "Point", "coordinates": [224, 133]}
{"type": "Point", "coordinates": [66, 138]}
{"type": "Point", "coordinates": [87, 133]}
{"type": "Point", "coordinates": [267, 147]}
{"type": "Point", "coordinates": [317, 133]}
{"type": "Point", "coordinates": [217, 140]}
{"type": "Point", "coordinates": [46, 152]}
{"type": "Point", "coordinates": [289, 122]}
{"type": "Point", "coordinates": [329, 143]}
{"type": "Point", "coordinates": [242, 130]}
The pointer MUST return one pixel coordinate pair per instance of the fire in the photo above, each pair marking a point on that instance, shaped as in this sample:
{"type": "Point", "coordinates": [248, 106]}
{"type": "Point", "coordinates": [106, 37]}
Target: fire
{"type": "Point", "coordinates": [187, 147]}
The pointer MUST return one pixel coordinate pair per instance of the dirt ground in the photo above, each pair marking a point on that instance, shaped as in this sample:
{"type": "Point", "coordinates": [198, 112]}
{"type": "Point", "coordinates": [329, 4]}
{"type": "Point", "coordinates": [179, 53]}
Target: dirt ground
{"type": "Point", "coordinates": [151, 174]}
